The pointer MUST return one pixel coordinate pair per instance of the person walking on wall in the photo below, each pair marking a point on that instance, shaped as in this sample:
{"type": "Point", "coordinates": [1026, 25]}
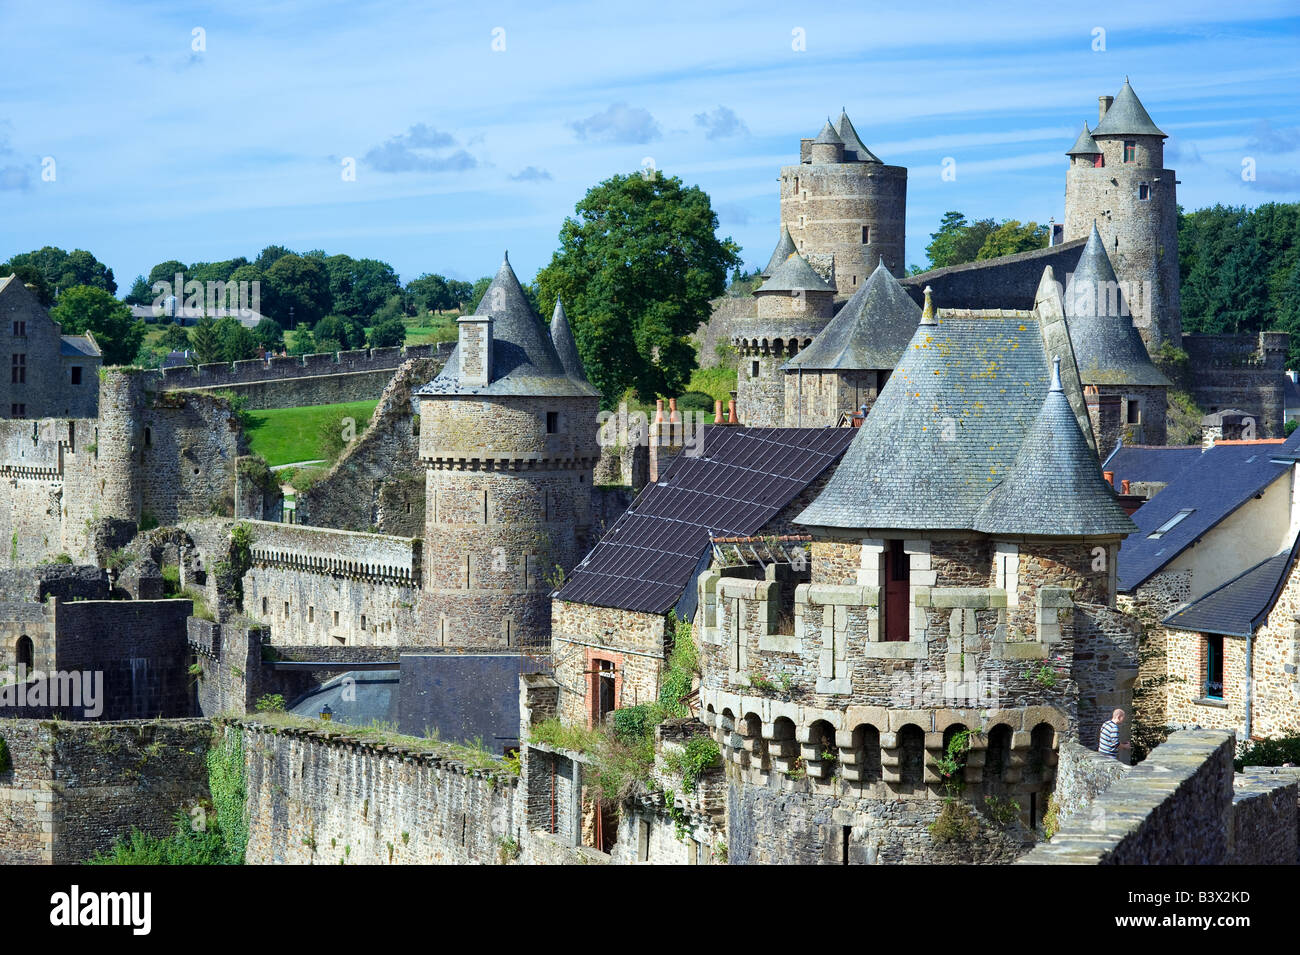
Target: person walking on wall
{"type": "Point", "coordinates": [1108, 743]}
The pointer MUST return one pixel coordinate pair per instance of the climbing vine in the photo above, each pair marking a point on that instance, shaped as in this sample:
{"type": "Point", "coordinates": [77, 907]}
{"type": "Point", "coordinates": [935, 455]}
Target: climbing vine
{"type": "Point", "coordinates": [229, 792]}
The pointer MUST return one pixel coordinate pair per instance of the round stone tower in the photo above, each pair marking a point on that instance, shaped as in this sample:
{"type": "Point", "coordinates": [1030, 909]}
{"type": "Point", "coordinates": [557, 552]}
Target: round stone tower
{"type": "Point", "coordinates": [508, 437]}
{"type": "Point", "coordinates": [1118, 180]}
{"type": "Point", "coordinates": [844, 208]}
{"type": "Point", "coordinates": [118, 440]}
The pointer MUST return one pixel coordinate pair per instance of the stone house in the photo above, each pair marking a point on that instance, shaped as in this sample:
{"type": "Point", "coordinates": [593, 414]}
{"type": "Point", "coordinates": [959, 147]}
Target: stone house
{"type": "Point", "coordinates": [47, 373]}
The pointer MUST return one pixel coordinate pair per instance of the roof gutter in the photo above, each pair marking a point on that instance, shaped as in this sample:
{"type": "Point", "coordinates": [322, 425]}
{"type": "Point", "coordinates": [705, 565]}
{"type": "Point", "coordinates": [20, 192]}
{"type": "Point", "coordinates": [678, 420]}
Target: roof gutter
{"type": "Point", "coordinates": [1250, 682]}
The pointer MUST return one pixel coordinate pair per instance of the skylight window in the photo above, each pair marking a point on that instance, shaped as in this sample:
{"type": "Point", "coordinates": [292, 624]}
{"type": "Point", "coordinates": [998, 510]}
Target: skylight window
{"type": "Point", "coordinates": [1170, 524]}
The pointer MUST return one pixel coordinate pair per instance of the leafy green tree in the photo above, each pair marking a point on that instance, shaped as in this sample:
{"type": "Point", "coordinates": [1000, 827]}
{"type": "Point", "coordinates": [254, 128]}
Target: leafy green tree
{"type": "Point", "coordinates": [300, 290]}
{"type": "Point", "coordinates": [33, 276]}
{"type": "Point", "coordinates": [304, 342]}
{"type": "Point", "coordinates": [269, 335]}
{"type": "Point", "coordinates": [347, 332]}
{"type": "Point", "coordinates": [141, 293]}
{"type": "Point", "coordinates": [637, 270]}
{"type": "Point", "coordinates": [64, 270]}
{"type": "Point", "coordinates": [957, 240]}
{"type": "Point", "coordinates": [1011, 237]}
{"type": "Point", "coordinates": [166, 272]}
{"type": "Point", "coordinates": [388, 333]}
{"type": "Point", "coordinates": [394, 309]}
{"type": "Point", "coordinates": [205, 346]}
{"type": "Point", "coordinates": [477, 291]}
{"type": "Point", "coordinates": [461, 293]}
{"type": "Point", "coordinates": [215, 271]}
{"type": "Point", "coordinates": [236, 342]}
{"type": "Point", "coordinates": [269, 256]}
{"type": "Point", "coordinates": [174, 338]}
{"type": "Point", "coordinates": [429, 293]}
{"type": "Point", "coordinates": [86, 308]}
{"type": "Point", "coordinates": [360, 287]}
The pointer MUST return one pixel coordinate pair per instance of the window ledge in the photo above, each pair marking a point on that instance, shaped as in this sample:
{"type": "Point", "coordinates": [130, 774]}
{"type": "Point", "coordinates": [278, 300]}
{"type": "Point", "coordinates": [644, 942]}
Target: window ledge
{"type": "Point", "coordinates": [1208, 701]}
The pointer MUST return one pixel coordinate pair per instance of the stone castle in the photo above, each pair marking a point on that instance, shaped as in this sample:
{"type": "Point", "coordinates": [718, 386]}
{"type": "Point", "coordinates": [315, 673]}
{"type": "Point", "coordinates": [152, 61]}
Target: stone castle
{"type": "Point", "coordinates": [871, 615]}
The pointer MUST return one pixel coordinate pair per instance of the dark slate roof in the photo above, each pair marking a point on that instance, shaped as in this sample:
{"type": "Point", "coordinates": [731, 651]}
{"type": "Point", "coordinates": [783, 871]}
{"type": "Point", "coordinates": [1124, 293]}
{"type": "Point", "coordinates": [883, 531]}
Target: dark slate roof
{"type": "Point", "coordinates": [1085, 145]}
{"type": "Point", "coordinates": [1055, 482]}
{"type": "Point", "coordinates": [78, 346]}
{"type": "Point", "coordinates": [1158, 464]}
{"type": "Point", "coordinates": [946, 429]}
{"type": "Point", "coordinates": [1212, 487]}
{"type": "Point", "coordinates": [795, 275]}
{"type": "Point", "coordinates": [1290, 392]}
{"type": "Point", "coordinates": [828, 135]}
{"type": "Point", "coordinates": [1127, 117]}
{"type": "Point", "coordinates": [785, 248]}
{"type": "Point", "coordinates": [741, 480]}
{"type": "Point", "coordinates": [565, 346]}
{"type": "Point", "coordinates": [872, 330]}
{"type": "Point", "coordinates": [1240, 606]}
{"type": "Point", "coordinates": [524, 360]}
{"type": "Point", "coordinates": [853, 145]}
{"type": "Point", "coordinates": [1107, 347]}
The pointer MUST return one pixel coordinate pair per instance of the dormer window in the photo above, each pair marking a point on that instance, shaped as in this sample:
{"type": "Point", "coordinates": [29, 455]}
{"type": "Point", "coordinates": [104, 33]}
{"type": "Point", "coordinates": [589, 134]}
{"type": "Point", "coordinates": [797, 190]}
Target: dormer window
{"type": "Point", "coordinates": [1170, 524]}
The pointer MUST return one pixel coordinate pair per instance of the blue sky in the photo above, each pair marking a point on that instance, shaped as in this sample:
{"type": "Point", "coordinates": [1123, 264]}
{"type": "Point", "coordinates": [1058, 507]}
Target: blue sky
{"type": "Point", "coordinates": [462, 150]}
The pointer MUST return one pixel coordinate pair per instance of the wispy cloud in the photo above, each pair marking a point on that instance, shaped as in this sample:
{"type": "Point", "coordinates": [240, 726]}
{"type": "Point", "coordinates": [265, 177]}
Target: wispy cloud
{"type": "Point", "coordinates": [1281, 180]}
{"type": "Point", "coordinates": [14, 179]}
{"type": "Point", "coordinates": [1270, 139]}
{"type": "Point", "coordinates": [721, 123]}
{"type": "Point", "coordinates": [532, 174]}
{"type": "Point", "coordinates": [419, 149]}
{"type": "Point", "coordinates": [619, 123]}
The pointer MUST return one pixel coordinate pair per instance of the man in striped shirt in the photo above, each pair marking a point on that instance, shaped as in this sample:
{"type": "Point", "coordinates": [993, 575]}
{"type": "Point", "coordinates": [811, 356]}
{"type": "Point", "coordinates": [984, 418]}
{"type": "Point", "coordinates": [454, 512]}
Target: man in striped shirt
{"type": "Point", "coordinates": [1109, 744]}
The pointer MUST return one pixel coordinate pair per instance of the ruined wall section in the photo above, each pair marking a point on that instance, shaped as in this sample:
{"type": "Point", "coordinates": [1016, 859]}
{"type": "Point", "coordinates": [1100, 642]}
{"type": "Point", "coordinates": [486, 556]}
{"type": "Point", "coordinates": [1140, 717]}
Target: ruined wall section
{"type": "Point", "coordinates": [1242, 372]}
{"type": "Point", "coordinates": [378, 483]}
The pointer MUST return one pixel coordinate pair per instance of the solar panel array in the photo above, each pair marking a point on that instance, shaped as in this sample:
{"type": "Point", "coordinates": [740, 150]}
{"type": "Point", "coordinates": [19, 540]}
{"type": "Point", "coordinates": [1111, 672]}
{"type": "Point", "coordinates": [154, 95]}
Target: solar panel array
{"type": "Point", "coordinates": [738, 480]}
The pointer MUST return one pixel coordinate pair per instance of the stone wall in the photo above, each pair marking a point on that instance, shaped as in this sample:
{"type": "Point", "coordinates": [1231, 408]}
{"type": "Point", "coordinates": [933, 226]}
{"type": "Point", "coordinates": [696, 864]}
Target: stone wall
{"type": "Point", "coordinates": [315, 585]}
{"type": "Point", "coordinates": [295, 381]}
{"type": "Point", "coordinates": [317, 797]}
{"type": "Point", "coordinates": [75, 788]}
{"type": "Point", "coordinates": [1241, 372]}
{"type": "Point", "coordinates": [583, 636]}
{"type": "Point", "coordinates": [378, 483]}
{"type": "Point", "coordinates": [1007, 282]}
{"type": "Point", "coordinates": [65, 581]}
{"type": "Point", "coordinates": [32, 341]}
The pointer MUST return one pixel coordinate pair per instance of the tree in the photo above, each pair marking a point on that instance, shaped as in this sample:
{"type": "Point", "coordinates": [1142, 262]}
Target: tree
{"type": "Point", "coordinates": [63, 270]}
{"type": "Point", "coordinates": [347, 332]}
{"type": "Point", "coordinates": [300, 290]}
{"type": "Point", "coordinates": [166, 272]}
{"type": "Point", "coordinates": [359, 287]}
{"type": "Point", "coordinates": [236, 343]}
{"type": "Point", "coordinates": [388, 333]}
{"type": "Point", "coordinates": [477, 291]}
{"type": "Point", "coordinates": [204, 344]}
{"type": "Point", "coordinates": [86, 308]}
{"type": "Point", "coordinates": [957, 240]}
{"type": "Point", "coordinates": [304, 342]}
{"type": "Point", "coordinates": [429, 293]}
{"type": "Point", "coordinates": [174, 338]}
{"type": "Point", "coordinates": [269, 256]}
{"type": "Point", "coordinates": [1011, 237]}
{"type": "Point", "coordinates": [636, 271]}
{"type": "Point", "coordinates": [33, 276]}
{"type": "Point", "coordinates": [461, 293]}
{"type": "Point", "coordinates": [269, 335]}
{"type": "Point", "coordinates": [141, 293]}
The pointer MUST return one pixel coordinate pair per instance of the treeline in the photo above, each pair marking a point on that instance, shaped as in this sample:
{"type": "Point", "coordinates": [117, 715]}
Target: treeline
{"type": "Point", "coordinates": [959, 241]}
{"type": "Point", "coordinates": [1239, 270]}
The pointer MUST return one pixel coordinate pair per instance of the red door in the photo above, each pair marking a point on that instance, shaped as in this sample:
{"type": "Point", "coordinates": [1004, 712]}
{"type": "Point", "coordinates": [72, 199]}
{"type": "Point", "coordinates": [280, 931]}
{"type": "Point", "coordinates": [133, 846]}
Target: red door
{"type": "Point", "coordinates": [897, 612]}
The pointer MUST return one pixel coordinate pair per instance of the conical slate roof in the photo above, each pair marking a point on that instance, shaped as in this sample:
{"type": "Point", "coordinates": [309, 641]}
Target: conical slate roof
{"type": "Point", "coordinates": [1085, 145]}
{"type": "Point", "coordinates": [1127, 117]}
{"type": "Point", "coordinates": [945, 430]}
{"type": "Point", "coordinates": [795, 274]}
{"type": "Point", "coordinates": [853, 145]}
{"type": "Point", "coordinates": [524, 360]}
{"type": "Point", "coordinates": [872, 330]}
{"type": "Point", "coordinates": [1107, 348]}
{"type": "Point", "coordinates": [1055, 485]}
{"type": "Point", "coordinates": [565, 346]}
{"type": "Point", "coordinates": [785, 248]}
{"type": "Point", "coordinates": [828, 135]}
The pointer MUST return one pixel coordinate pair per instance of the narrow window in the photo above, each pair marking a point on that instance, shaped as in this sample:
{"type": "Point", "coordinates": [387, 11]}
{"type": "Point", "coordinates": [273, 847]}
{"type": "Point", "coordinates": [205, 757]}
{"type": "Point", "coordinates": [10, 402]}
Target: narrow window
{"type": "Point", "coordinates": [1213, 666]}
{"type": "Point", "coordinates": [311, 614]}
{"type": "Point", "coordinates": [1133, 411]}
{"type": "Point", "coordinates": [866, 234]}
{"type": "Point", "coordinates": [18, 369]}
{"type": "Point", "coordinates": [264, 611]}
{"type": "Point", "coordinates": [1098, 161]}
{"type": "Point", "coordinates": [1144, 191]}
{"type": "Point", "coordinates": [336, 618]}
{"type": "Point", "coordinates": [753, 369]}
{"type": "Point", "coordinates": [363, 621]}
{"type": "Point", "coordinates": [552, 422]}
{"type": "Point", "coordinates": [897, 592]}
{"type": "Point", "coordinates": [286, 608]}
{"type": "Point", "coordinates": [76, 374]}
{"type": "Point", "coordinates": [148, 437]}
{"type": "Point", "coordinates": [1130, 151]}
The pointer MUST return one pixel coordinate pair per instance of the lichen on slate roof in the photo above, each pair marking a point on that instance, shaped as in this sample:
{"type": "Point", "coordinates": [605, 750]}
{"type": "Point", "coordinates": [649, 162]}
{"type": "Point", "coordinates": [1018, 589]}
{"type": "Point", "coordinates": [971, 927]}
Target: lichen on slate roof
{"type": "Point", "coordinates": [524, 359]}
{"type": "Point", "coordinates": [872, 330]}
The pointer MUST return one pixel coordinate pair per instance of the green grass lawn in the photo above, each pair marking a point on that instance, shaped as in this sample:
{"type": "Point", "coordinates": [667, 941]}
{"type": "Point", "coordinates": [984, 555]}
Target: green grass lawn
{"type": "Point", "coordinates": [285, 435]}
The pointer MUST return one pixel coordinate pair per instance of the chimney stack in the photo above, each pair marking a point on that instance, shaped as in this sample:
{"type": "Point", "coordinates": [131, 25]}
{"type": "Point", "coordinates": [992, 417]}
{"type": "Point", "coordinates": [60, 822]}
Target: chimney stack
{"type": "Point", "coordinates": [1103, 104]}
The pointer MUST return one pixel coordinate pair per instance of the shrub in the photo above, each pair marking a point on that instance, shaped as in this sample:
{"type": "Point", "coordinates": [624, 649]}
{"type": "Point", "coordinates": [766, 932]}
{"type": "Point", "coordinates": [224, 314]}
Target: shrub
{"type": "Point", "coordinates": [955, 823]}
{"type": "Point", "coordinates": [6, 761]}
{"type": "Point", "coordinates": [1268, 752]}
{"type": "Point", "coordinates": [270, 703]}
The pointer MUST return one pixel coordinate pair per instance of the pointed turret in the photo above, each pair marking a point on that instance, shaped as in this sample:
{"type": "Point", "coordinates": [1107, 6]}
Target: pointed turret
{"type": "Point", "coordinates": [1054, 486]}
{"type": "Point", "coordinates": [871, 330]}
{"type": "Point", "coordinates": [828, 135]}
{"type": "Point", "coordinates": [1085, 145]}
{"type": "Point", "coordinates": [518, 355]}
{"type": "Point", "coordinates": [785, 248]}
{"type": "Point", "coordinates": [1107, 347]}
{"type": "Point", "coordinates": [565, 346]}
{"type": "Point", "coordinates": [853, 145]}
{"type": "Point", "coordinates": [795, 275]}
{"type": "Point", "coordinates": [1127, 117]}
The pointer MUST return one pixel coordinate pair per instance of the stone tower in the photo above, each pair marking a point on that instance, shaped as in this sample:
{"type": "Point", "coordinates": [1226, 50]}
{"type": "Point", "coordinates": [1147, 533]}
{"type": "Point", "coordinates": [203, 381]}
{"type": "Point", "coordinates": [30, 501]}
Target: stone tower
{"type": "Point", "coordinates": [790, 309]}
{"type": "Point", "coordinates": [508, 438]}
{"type": "Point", "coordinates": [1118, 180]}
{"type": "Point", "coordinates": [844, 208]}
